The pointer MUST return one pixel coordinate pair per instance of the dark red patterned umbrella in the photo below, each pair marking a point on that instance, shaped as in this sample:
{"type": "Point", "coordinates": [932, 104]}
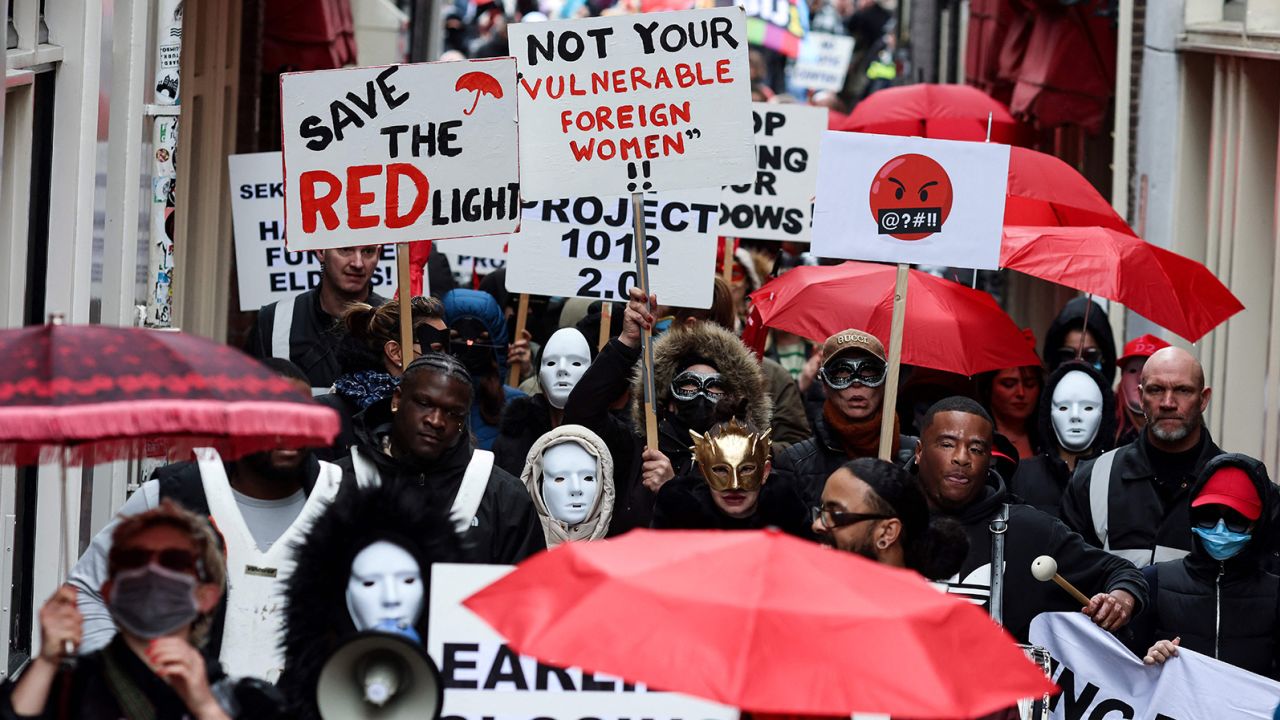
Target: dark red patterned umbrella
{"type": "Point", "coordinates": [93, 393]}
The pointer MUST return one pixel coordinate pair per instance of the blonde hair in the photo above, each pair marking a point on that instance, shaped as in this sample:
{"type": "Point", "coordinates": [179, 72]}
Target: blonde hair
{"type": "Point", "coordinates": [212, 568]}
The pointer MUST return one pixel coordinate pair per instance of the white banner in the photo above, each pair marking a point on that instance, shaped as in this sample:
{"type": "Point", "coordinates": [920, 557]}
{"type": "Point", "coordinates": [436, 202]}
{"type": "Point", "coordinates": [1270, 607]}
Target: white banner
{"type": "Point", "coordinates": [777, 205]}
{"type": "Point", "coordinates": [266, 272]}
{"type": "Point", "coordinates": [823, 62]}
{"type": "Point", "coordinates": [484, 679]}
{"type": "Point", "coordinates": [400, 153]}
{"type": "Point", "coordinates": [633, 103]}
{"type": "Point", "coordinates": [1100, 678]}
{"type": "Point", "coordinates": [910, 200]}
{"type": "Point", "coordinates": [583, 247]}
{"type": "Point", "coordinates": [475, 257]}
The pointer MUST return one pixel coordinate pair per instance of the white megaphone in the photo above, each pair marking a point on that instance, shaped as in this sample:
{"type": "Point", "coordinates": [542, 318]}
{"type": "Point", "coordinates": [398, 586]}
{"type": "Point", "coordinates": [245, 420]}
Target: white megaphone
{"type": "Point", "coordinates": [380, 676]}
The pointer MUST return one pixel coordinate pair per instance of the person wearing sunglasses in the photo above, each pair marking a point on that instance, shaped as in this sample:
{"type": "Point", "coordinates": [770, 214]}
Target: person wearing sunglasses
{"type": "Point", "coordinates": [165, 578]}
{"type": "Point", "coordinates": [853, 375]}
{"type": "Point", "coordinates": [875, 509]}
{"type": "Point", "coordinates": [1219, 600]}
{"type": "Point", "coordinates": [1081, 330]}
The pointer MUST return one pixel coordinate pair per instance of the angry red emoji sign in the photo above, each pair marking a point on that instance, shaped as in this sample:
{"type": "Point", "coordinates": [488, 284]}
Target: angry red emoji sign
{"type": "Point", "coordinates": [910, 197]}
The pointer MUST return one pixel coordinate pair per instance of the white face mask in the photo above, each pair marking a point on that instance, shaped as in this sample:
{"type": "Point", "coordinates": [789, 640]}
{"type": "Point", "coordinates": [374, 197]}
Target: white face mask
{"type": "Point", "coordinates": [385, 587]}
{"type": "Point", "coordinates": [569, 482]}
{"type": "Point", "coordinates": [1077, 411]}
{"type": "Point", "coordinates": [564, 360]}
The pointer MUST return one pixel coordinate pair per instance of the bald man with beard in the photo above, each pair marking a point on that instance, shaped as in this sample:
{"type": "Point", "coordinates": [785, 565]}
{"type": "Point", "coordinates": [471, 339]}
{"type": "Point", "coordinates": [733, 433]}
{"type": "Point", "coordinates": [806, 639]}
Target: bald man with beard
{"type": "Point", "coordinates": [1133, 500]}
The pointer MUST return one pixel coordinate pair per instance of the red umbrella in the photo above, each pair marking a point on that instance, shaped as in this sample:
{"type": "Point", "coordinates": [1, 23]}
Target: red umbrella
{"type": "Point", "coordinates": [1168, 289]}
{"type": "Point", "coordinates": [480, 83]}
{"type": "Point", "coordinates": [945, 112]}
{"type": "Point", "coordinates": [760, 621]}
{"type": "Point", "coordinates": [107, 393]}
{"type": "Point", "coordinates": [1046, 191]}
{"type": "Point", "coordinates": [947, 327]}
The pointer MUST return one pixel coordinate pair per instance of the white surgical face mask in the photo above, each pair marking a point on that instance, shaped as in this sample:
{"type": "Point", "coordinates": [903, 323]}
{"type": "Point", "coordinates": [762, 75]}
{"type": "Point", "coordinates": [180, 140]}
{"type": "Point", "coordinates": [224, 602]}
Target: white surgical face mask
{"type": "Point", "coordinates": [1077, 411]}
{"type": "Point", "coordinates": [385, 587]}
{"type": "Point", "coordinates": [569, 482]}
{"type": "Point", "coordinates": [565, 358]}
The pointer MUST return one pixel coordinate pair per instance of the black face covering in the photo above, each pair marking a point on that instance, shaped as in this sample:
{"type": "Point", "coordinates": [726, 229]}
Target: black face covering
{"type": "Point", "coordinates": [427, 336]}
{"type": "Point", "coordinates": [698, 414]}
{"type": "Point", "coordinates": [473, 348]}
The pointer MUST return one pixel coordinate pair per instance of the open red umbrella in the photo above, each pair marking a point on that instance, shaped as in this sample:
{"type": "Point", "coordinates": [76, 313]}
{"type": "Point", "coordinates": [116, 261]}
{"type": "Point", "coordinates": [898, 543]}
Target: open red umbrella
{"type": "Point", "coordinates": [945, 112]}
{"type": "Point", "coordinates": [106, 393]}
{"type": "Point", "coordinates": [947, 327]}
{"type": "Point", "coordinates": [1175, 292]}
{"type": "Point", "coordinates": [761, 621]}
{"type": "Point", "coordinates": [1046, 191]}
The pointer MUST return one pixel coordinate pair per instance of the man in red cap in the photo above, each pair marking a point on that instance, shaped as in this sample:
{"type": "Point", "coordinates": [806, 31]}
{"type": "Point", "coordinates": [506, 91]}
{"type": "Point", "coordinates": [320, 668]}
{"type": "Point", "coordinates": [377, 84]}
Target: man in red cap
{"type": "Point", "coordinates": [1129, 417]}
{"type": "Point", "coordinates": [1219, 601]}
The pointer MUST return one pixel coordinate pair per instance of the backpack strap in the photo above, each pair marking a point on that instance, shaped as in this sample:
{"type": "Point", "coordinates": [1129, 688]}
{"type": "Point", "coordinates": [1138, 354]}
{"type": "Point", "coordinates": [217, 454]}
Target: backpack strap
{"type": "Point", "coordinates": [474, 482]}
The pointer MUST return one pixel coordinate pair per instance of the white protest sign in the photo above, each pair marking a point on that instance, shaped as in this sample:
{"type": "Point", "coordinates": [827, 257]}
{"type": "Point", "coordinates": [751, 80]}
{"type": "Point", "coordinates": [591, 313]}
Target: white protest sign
{"type": "Point", "coordinates": [823, 62]}
{"type": "Point", "coordinates": [399, 153]}
{"type": "Point", "coordinates": [475, 257]}
{"type": "Point", "coordinates": [1100, 678]}
{"type": "Point", "coordinates": [583, 247]}
{"type": "Point", "coordinates": [777, 205]}
{"type": "Point", "coordinates": [483, 678]}
{"type": "Point", "coordinates": [910, 200]}
{"type": "Point", "coordinates": [265, 270]}
{"type": "Point", "coordinates": [630, 103]}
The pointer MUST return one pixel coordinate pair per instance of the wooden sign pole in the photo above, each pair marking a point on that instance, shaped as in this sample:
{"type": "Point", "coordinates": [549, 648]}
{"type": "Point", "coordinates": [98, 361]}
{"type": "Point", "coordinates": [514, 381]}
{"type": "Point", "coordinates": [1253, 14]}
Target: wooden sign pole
{"type": "Point", "coordinates": [522, 316]}
{"type": "Point", "coordinates": [606, 315]}
{"type": "Point", "coordinates": [406, 305]}
{"type": "Point", "coordinates": [646, 338]}
{"type": "Point", "coordinates": [888, 411]}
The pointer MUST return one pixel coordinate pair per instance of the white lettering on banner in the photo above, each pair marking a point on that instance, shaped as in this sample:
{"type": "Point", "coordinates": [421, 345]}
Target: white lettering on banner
{"type": "Point", "coordinates": [633, 103]}
{"type": "Point", "coordinates": [485, 680]}
{"type": "Point", "coordinates": [583, 247]}
{"type": "Point", "coordinates": [1102, 680]}
{"type": "Point", "coordinates": [823, 62]}
{"type": "Point", "coordinates": [778, 204]}
{"type": "Point", "coordinates": [266, 272]}
{"type": "Point", "coordinates": [400, 153]}
{"type": "Point", "coordinates": [910, 200]}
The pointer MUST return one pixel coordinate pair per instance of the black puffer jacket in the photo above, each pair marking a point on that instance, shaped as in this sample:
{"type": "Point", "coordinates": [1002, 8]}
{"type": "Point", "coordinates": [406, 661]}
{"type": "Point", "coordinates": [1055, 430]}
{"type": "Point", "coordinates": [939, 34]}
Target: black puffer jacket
{"type": "Point", "coordinates": [685, 503]}
{"type": "Point", "coordinates": [524, 420]}
{"type": "Point", "coordinates": [1042, 479]}
{"type": "Point", "coordinates": [1031, 533]}
{"type": "Point", "coordinates": [1228, 610]}
{"type": "Point", "coordinates": [1072, 317]}
{"type": "Point", "coordinates": [807, 465]}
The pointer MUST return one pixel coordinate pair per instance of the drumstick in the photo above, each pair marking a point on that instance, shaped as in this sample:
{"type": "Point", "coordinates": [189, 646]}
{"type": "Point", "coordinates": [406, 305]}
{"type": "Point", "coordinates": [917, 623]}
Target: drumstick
{"type": "Point", "coordinates": [1045, 568]}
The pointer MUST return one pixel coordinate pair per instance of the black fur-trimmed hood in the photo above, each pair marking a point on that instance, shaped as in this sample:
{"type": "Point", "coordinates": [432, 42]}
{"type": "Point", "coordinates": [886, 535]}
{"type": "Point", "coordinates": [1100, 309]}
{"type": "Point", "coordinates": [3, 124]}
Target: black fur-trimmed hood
{"type": "Point", "coordinates": [721, 349]}
{"type": "Point", "coordinates": [316, 617]}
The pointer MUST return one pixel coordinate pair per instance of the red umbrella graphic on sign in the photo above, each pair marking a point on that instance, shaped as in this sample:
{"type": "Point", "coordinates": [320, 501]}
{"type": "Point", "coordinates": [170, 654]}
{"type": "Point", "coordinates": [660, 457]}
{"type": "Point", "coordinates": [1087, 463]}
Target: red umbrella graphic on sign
{"type": "Point", "coordinates": [480, 83]}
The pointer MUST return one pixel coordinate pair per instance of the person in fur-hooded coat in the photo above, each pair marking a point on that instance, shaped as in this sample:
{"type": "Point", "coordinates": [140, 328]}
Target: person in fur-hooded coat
{"type": "Point", "coordinates": [596, 524]}
{"type": "Point", "coordinates": [1041, 479]}
{"type": "Point", "coordinates": [317, 620]}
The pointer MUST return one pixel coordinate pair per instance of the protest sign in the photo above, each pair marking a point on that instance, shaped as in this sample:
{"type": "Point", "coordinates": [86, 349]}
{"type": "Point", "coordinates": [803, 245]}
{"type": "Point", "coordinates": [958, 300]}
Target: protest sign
{"type": "Point", "coordinates": [777, 205]}
{"type": "Point", "coordinates": [470, 258]}
{"type": "Point", "coordinates": [265, 270]}
{"type": "Point", "coordinates": [623, 104]}
{"type": "Point", "coordinates": [823, 62]}
{"type": "Point", "coordinates": [399, 153]}
{"type": "Point", "coordinates": [777, 24]}
{"type": "Point", "coordinates": [910, 200]}
{"type": "Point", "coordinates": [484, 679]}
{"type": "Point", "coordinates": [1100, 678]}
{"type": "Point", "coordinates": [583, 247]}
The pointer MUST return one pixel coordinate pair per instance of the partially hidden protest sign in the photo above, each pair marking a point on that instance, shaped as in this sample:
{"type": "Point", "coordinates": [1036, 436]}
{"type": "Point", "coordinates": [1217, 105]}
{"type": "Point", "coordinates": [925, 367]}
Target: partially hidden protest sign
{"type": "Point", "coordinates": [633, 103]}
{"type": "Point", "coordinates": [777, 205]}
{"type": "Point", "coordinates": [265, 270]}
{"type": "Point", "coordinates": [910, 200]}
{"type": "Point", "coordinates": [470, 258]}
{"type": "Point", "coordinates": [823, 62]}
{"type": "Point", "coordinates": [777, 24]}
{"type": "Point", "coordinates": [485, 680]}
{"type": "Point", "coordinates": [399, 153]}
{"type": "Point", "coordinates": [1100, 678]}
{"type": "Point", "coordinates": [583, 247]}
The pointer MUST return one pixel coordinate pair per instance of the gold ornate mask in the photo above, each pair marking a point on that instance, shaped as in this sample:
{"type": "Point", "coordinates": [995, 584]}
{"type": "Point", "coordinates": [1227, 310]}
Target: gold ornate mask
{"type": "Point", "coordinates": [732, 457]}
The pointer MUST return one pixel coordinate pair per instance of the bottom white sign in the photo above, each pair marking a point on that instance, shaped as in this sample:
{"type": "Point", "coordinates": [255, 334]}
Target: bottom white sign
{"type": "Point", "coordinates": [485, 680]}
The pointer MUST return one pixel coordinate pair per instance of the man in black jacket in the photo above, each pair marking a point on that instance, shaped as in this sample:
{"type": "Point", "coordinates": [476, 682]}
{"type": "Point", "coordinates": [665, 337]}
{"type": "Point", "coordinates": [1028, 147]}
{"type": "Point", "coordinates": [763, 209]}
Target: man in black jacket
{"type": "Point", "coordinates": [854, 372]}
{"type": "Point", "coordinates": [419, 439]}
{"type": "Point", "coordinates": [1218, 600]}
{"type": "Point", "coordinates": [953, 462]}
{"type": "Point", "coordinates": [1132, 501]}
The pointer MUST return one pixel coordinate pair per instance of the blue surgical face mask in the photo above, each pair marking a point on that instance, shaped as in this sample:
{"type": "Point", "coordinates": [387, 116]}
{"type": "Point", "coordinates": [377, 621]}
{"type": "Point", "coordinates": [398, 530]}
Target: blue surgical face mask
{"type": "Point", "coordinates": [1221, 543]}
